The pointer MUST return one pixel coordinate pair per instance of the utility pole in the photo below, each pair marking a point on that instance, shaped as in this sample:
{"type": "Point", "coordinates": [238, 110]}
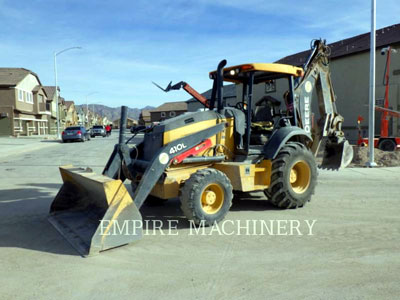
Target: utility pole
{"type": "Point", "coordinates": [57, 95]}
{"type": "Point", "coordinates": [371, 122]}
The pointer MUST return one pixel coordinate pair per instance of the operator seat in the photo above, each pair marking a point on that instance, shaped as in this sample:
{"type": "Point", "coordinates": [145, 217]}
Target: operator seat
{"type": "Point", "coordinates": [263, 120]}
{"type": "Point", "coordinates": [264, 108]}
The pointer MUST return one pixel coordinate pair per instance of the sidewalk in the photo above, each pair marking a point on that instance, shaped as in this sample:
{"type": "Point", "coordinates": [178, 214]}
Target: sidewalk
{"type": "Point", "coordinates": [10, 146]}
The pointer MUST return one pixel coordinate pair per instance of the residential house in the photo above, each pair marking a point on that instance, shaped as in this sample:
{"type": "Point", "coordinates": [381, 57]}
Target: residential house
{"type": "Point", "coordinates": [229, 97]}
{"type": "Point", "coordinates": [62, 111]}
{"type": "Point", "coordinates": [23, 100]}
{"type": "Point", "coordinates": [99, 119]}
{"type": "Point", "coordinates": [144, 117]}
{"type": "Point", "coordinates": [349, 65]}
{"type": "Point", "coordinates": [91, 118]}
{"type": "Point", "coordinates": [51, 105]}
{"type": "Point", "coordinates": [168, 110]}
{"type": "Point", "coordinates": [106, 121]}
{"type": "Point", "coordinates": [81, 116]}
{"type": "Point", "coordinates": [71, 117]}
{"type": "Point", "coordinates": [129, 123]}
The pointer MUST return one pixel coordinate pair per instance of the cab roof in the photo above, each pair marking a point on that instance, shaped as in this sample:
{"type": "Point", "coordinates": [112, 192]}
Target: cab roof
{"type": "Point", "coordinates": [263, 72]}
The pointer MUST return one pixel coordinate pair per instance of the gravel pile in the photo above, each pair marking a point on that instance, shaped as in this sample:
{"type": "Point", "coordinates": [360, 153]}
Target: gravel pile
{"type": "Point", "coordinates": [382, 158]}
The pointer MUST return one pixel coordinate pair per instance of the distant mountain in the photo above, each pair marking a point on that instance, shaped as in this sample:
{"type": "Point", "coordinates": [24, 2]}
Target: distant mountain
{"type": "Point", "coordinates": [114, 113]}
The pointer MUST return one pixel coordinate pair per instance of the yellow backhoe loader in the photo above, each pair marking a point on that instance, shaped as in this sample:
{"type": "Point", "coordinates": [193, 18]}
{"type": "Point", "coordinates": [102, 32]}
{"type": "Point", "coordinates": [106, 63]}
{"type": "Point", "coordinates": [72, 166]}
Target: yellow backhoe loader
{"type": "Point", "coordinates": [203, 157]}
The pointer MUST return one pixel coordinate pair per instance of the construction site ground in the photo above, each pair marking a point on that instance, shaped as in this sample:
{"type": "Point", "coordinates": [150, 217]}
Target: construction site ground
{"type": "Point", "coordinates": [352, 251]}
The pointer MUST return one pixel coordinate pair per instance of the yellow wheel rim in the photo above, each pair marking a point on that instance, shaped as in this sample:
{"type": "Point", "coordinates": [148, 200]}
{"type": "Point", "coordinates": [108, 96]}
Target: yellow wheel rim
{"type": "Point", "coordinates": [300, 177]}
{"type": "Point", "coordinates": [212, 198]}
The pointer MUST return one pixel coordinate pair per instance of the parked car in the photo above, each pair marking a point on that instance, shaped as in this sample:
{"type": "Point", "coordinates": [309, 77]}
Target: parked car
{"type": "Point", "coordinates": [135, 129]}
{"type": "Point", "coordinates": [75, 133]}
{"type": "Point", "coordinates": [98, 130]}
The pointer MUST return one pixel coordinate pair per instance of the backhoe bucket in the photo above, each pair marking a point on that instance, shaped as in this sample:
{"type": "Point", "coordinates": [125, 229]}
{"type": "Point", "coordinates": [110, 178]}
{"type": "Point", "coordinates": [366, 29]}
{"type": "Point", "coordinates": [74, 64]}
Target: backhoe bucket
{"type": "Point", "coordinates": [94, 212]}
{"type": "Point", "coordinates": [336, 155]}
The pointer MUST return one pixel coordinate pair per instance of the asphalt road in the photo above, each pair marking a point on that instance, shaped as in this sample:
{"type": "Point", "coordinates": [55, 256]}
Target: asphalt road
{"type": "Point", "coordinates": [351, 251]}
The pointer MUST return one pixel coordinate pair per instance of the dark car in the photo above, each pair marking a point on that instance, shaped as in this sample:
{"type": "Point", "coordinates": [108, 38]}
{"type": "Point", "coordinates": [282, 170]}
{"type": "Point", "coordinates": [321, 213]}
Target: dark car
{"type": "Point", "coordinates": [75, 133]}
{"type": "Point", "coordinates": [135, 129]}
{"type": "Point", "coordinates": [98, 130]}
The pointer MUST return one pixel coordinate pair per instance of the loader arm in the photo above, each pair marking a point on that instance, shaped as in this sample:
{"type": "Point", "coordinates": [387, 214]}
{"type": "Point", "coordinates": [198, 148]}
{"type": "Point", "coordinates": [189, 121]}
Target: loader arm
{"type": "Point", "coordinates": [163, 158]}
{"type": "Point", "coordinates": [329, 144]}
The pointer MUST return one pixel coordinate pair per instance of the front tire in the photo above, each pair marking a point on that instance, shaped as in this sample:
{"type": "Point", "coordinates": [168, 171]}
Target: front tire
{"type": "Point", "coordinates": [206, 197]}
{"type": "Point", "coordinates": [293, 176]}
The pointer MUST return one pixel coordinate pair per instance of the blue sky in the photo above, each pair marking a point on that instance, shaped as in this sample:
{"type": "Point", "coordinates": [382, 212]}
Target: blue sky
{"type": "Point", "coordinates": [128, 44]}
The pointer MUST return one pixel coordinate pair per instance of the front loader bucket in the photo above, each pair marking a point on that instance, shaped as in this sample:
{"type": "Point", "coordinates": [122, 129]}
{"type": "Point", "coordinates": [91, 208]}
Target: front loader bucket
{"type": "Point", "coordinates": [94, 212]}
{"type": "Point", "coordinates": [336, 155]}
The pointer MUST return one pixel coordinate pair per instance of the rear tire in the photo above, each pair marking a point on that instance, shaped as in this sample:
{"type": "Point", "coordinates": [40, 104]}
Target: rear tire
{"type": "Point", "coordinates": [206, 197]}
{"type": "Point", "coordinates": [387, 145]}
{"type": "Point", "coordinates": [293, 176]}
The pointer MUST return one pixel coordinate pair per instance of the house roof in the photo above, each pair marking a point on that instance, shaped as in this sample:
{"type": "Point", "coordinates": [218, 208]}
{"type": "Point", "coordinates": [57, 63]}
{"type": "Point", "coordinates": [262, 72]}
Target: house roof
{"type": "Point", "coordinates": [171, 106]}
{"type": "Point", "coordinates": [38, 88]}
{"type": "Point", "coordinates": [69, 103]}
{"type": "Point", "coordinates": [360, 43]}
{"type": "Point", "coordinates": [50, 91]}
{"type": "Point", "coordinates": [145, 113]}
{"type": "Point", "coordinates": [128, 119]}
{"type": "Point", "coordinates": [13, 76]}
{"type": "Point", "coordinates": [229, 92]}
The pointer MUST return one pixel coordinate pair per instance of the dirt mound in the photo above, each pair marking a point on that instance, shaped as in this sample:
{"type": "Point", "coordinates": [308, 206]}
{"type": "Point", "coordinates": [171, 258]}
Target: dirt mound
{"type": "Point", "coordinates": [382, 158]}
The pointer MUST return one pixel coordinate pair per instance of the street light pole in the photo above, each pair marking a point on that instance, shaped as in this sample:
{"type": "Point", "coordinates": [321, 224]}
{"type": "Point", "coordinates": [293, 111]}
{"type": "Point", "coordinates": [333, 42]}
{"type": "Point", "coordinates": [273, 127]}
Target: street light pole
{"type": "Point", "coordinates": [56, 83]}
{"type": "Point", "coordinates": [371, 122]}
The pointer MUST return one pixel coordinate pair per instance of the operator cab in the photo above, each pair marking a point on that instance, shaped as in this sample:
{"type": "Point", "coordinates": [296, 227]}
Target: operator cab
{"type": "Point", "coordinates": [264, 114]}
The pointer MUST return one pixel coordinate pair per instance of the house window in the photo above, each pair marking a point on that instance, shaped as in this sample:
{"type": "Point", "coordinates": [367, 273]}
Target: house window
{"type": "Point", "coordinates": [48, 106]}
{"type": "Point", "coordinates": [270, 87]}
{"type": "Point", "coordinates": [163, 114]}
{"type": "Point", "coordinates": [379, 101]}
{"type": "Point", "coordinates": [29, 97]}
{"type": "Point", "coordinates": [20, 96]}
{"type": "Point", "coordinates": [172, 114]}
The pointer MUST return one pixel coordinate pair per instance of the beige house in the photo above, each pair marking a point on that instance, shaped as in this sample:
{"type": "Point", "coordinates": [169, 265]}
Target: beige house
{"type": "Point", "coordinates": [129, 123]}
{"type": "Point", "coordinates": [144, 117]}
{"type": "Point", "coordinates": [23, 109]}
{"type": "Point", "coordinates": [62, 111]}
{"type": "Point", "coordinates": [51, 104]}
{"type": "Point", "coordinates": [106, 121]}
{"type": "Point", "coordinates": [81, 116]}
{"type": "Point", "coordinates": [71, 116]}
{"type": "Point", "coordinates": [168, 110]}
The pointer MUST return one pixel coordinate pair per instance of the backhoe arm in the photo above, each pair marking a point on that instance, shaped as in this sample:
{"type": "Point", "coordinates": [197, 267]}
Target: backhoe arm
{"type": "Point", "coordinates": [329, 143]}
